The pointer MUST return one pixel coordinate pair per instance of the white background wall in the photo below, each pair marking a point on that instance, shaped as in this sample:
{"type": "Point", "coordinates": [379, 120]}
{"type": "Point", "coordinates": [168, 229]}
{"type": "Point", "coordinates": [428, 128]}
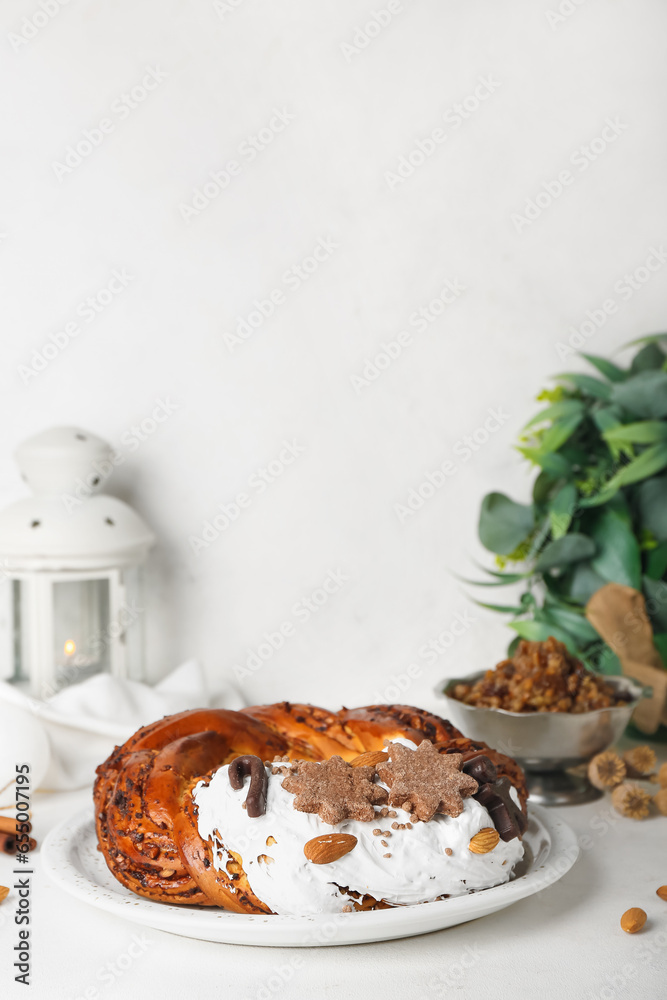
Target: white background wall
{"type": "Point", "coordinates": [355, 111]}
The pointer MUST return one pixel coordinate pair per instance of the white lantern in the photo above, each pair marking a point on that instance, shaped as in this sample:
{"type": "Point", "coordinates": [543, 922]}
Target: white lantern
{"type": "Point", "coordinates": [69, 559]}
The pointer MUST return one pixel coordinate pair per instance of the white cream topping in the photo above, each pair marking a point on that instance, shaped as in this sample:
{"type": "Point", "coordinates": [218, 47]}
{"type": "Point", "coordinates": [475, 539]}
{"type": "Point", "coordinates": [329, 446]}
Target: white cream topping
{"type": "Point", "coordinates": [417, 871]}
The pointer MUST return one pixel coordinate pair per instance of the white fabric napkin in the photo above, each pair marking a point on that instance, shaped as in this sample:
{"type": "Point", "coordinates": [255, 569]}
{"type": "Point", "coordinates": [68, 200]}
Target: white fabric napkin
{"type": "Point", "coordinates": [84, 721]}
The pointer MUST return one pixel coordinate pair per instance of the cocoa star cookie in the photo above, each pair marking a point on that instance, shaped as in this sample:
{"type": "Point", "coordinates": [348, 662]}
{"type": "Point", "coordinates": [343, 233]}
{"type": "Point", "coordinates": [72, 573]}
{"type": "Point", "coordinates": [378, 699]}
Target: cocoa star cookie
{"type": "Point", "coordinates": [425, 782]}
{"type": "Point", "coordinates": [335, 790]}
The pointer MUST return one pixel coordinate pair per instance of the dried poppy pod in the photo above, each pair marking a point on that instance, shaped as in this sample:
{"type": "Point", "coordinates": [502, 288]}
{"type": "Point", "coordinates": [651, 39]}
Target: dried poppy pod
{"type": "Point", "coordinates": [606, 770]}
{"type": "Point", "coordinates": [639, 761]}
{"type": "Point", "coordinates": [631, 800]}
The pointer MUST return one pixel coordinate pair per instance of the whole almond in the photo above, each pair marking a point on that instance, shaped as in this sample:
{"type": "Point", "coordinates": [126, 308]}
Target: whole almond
{"type": "Point", "coordinates": [329, 847]}
{"type": "Point", "coordinates": [3, 892]}
{"type": "Point", "coordinates": [633, 920]}
{"type": "Point", "coordinates": [484, 841]}
{"type": "Point", "coordinates": [370, 758]}
{"type": "Point", "coordinates": [662, 892]}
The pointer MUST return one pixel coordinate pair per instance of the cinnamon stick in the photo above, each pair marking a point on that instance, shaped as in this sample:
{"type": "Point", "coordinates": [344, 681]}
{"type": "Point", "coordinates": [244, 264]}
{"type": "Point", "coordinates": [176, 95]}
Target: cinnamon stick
{"type": "Point", "coordinates": [8, 843]}
{"type": "Point", "coordinates": [8, 825]}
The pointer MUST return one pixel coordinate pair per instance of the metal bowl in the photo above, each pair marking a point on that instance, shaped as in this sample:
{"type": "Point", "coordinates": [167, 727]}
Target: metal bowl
{"type": "Point", "coordinates": [546, 744]}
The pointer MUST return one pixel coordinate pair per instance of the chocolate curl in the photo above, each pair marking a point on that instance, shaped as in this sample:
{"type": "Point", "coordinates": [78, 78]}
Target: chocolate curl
{"type": "Point", "coordinates": [618, 613]}
{"type": "Point", "coordinates": [239, 769]}
{"type": "Point", "coordinates": [481, 769]}
{"type": "Point", "coordinates": [507, 816]}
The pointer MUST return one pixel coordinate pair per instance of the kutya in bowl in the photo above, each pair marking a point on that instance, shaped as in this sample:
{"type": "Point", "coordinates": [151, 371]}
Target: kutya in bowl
{"type": "Point", "coordinates": [546, 744]}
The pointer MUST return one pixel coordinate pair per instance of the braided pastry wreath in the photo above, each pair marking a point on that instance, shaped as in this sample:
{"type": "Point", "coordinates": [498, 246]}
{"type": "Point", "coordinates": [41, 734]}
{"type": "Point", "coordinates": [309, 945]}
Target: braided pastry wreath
{"type": "Point", "coordinates": [145, 817]}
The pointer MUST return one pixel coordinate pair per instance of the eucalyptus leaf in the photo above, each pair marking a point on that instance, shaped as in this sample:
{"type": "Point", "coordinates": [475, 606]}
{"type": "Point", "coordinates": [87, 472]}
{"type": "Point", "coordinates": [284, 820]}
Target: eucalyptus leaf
{"type": "Point", "coordinates": [655, 592]}
{"type": "Point", "coordinates": [509, 609]}
{"type": "Point", "coordinates": [543, 486]}
{"type": "Point", "coordinates": [574, 623]}
{"type": "Point", "coordinates": [562, 509]}
{"type": "Point", "coordinates": [537, 631]}
{"type": "Point", "coordinates": [571, 548]}
{"type": "Point", "coordinates": [564, 408]}
{"type": "Point", "coordinates": [652, 504]}
{"type": "Point", "coordinates": [606, 368]}
{"type": "Point", "coordinates": [618, 559]}
{"type": "Point", "coordinates": [651, 461]}
{"type": "Point", "coordinates": [609, 664]}
{"type": "Point", "coordinates": [587, 384]}
{"type": "Point", "coordinates": [584, 582]}
{"type": "Point", "coordinates": [512, 577]}
{"type": "Point", "coordinates": [505, 582]}
{"type": "Point", "coordinates": [553, 464]}
{"type": "Point", "coordinates": [650, 357]}
{"type": "Point", "coordinates": [644, 394]}
{"type": "Point", "coordinates": [511, 649]}
{"type": "Point", "coordinates": [559, 432]}
{"type": "Point", "coordinates": [607, 417]}
{"type": "Point", "coordinates": [503, 523]}
{"type": "Point", "coordinates": [643, 432]}
{"type": "Point", "coordinates": [656, 562]}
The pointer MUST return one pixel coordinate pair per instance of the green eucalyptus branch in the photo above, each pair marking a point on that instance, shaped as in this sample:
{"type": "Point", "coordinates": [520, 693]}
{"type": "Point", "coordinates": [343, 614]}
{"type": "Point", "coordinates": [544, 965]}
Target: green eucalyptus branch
{"type": "Point", "coordinates": [598, 512]}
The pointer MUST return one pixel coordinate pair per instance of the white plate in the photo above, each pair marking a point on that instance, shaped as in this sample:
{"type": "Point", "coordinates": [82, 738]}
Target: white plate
{"type": "Point", "coordinates": [71, 858]}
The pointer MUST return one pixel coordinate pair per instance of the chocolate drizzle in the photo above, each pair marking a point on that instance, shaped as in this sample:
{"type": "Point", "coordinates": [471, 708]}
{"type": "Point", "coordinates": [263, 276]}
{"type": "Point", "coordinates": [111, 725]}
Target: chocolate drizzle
{"type": "Point", "coordinates": [239, 769]}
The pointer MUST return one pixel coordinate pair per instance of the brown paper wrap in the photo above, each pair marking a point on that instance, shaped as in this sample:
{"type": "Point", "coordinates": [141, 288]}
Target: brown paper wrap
{"type": "Point", "coordinates": [618, 613]}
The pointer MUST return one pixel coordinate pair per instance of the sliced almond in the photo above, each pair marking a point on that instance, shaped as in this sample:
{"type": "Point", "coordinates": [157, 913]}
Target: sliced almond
{"type": "Point", "coordinates": [370, 758]}
{"type": "Point", "coordinates": [484, 841]}
{"type": "Point", "coordinates": [266, 859]}
{"type": "Point", "coordinates": [167, 872]}
{"type": "Point", "coordinates": [4, 891]}
{"type": "Point", "coordinates": [329, 847]}
{"type": "Point", "coordinates": [270, 841]}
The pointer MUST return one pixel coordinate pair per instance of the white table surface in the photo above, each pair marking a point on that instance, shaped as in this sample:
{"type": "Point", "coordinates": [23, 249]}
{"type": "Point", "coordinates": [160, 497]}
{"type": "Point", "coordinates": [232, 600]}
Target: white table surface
{"type": "Point", "coordinates": [563, 942]}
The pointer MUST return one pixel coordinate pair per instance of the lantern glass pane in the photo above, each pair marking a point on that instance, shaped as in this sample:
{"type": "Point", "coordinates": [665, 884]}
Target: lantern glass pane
{"type": "Point", "coordinates": [17, 641]}
{"type": "Point", "coordinates": [132, 618]}
{"type": "Point", "coordinates": [82, 638]}
{"type": "Point", "coordinates": [9, 594]}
